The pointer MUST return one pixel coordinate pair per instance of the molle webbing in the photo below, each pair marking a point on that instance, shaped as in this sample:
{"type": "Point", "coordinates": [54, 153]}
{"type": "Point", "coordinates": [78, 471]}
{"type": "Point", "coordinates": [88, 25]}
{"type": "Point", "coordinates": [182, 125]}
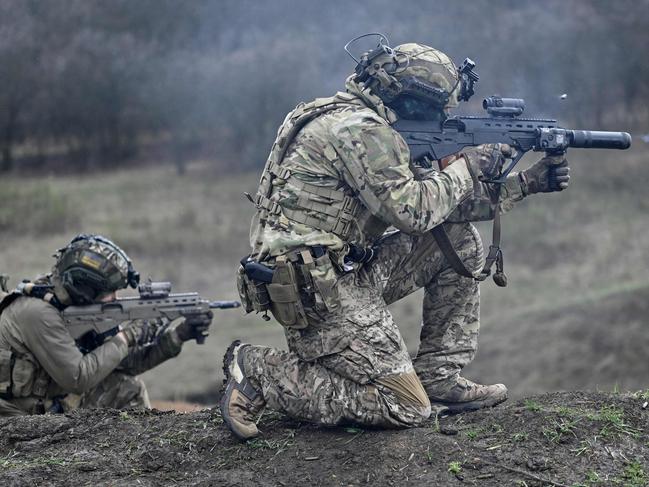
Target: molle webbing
{"type": "Point", "coordinates": [321, 208]}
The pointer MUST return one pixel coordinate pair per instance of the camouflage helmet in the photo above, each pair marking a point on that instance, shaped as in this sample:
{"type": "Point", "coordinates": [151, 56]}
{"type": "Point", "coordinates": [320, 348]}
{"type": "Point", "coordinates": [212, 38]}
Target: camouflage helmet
{"type": "Point", "coordinates": [415, 80]}
{"type": "Point", "coordinates": [92, 265]}
{"type": "Point", "coordinates": [431, 66]}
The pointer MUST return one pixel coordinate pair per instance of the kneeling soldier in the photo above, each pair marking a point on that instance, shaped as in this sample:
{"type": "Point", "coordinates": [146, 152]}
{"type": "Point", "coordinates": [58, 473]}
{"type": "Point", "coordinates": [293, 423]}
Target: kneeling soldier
{"type": "Point", "coordinates": [338, 176]}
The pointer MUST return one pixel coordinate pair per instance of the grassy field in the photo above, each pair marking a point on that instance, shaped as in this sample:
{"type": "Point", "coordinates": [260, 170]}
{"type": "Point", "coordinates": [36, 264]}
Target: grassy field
{"type": "Point", "coordinates": [565, 255]}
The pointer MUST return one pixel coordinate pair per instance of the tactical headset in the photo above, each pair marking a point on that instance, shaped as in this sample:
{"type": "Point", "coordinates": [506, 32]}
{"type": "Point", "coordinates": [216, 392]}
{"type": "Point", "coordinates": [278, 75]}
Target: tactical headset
{"type": "Point", "coordinates": [381, 79]}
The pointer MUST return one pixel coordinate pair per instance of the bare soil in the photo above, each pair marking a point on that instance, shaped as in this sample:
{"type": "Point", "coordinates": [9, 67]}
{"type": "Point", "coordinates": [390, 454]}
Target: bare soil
{"type": "Point", "coordinates": [559, 439]}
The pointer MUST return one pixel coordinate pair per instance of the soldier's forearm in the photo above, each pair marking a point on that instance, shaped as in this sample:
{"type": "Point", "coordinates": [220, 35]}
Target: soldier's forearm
{"type": "Point", "coordinates": [91, 369]}
{"type": "Point", "coordinates": [481, 206]}
{"type": "Point", "coordinates": [145, 357]}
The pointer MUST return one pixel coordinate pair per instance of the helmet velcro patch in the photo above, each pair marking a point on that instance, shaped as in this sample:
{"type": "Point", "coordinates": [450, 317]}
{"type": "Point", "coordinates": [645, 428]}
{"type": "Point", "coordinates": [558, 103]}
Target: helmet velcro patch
{"type": "Point", "coordinates": [92, 260]}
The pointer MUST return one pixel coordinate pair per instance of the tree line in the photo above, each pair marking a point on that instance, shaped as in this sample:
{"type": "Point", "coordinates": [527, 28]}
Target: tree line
{"type": "Point", "coordinates": [91, 84]}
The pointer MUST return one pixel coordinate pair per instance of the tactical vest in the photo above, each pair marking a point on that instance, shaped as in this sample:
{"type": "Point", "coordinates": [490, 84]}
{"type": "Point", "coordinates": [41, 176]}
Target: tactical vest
{"type": "Point", "coordinates": [20, 373]}
{"type": "Point", "coordinates": [337, 211]}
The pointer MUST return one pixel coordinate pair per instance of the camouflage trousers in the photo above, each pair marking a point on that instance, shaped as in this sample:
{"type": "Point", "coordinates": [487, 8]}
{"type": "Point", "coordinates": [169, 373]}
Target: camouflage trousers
{"type": "Point", "coordinates": [117, 391]}
{"type": "Point", "coordinates": [351, 365]}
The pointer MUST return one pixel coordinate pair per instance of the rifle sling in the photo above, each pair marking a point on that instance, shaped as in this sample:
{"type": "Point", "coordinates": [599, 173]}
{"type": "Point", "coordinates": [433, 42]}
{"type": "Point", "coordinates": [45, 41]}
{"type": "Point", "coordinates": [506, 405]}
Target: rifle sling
{"type": "Point", "coordinates": [493, 257]}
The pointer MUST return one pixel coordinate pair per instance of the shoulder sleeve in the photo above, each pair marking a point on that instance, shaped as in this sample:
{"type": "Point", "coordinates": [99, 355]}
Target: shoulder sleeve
{"type": "Point", "coordinates": [376, 160]}
{"type": "Point", "coordinates": [145, 357]}
{"type": "Point", "coordinates": [47, 338]}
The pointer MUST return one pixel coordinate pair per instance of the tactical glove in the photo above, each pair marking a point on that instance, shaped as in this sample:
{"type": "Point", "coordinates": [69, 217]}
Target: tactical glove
{"type": "Point", "coordinates": [140, 332]}
{"type": "Point", "coordinates": [195, 326]}
{"type": "Point", "coordinates": [486, 161]}
{"type": "Point", "coordinates": [551, 173]}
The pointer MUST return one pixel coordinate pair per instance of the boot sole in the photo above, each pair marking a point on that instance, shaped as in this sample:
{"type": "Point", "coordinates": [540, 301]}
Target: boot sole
{"type": "Point", "coordinates": [228, 386]}
{"type": "Point", "coordinates": [227, 360]}
{"type": "Point", "coordinates": [227, 419]}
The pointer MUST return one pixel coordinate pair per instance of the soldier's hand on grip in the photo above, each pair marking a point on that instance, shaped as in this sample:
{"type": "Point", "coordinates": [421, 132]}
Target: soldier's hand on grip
{"type": "Point", "coordinates": [552, 173]}
{"type": "Point", "coordinates": [139, 332]}
{"type": "Point", "coordinates": [486, 161]}
{"type": "Point", "coordinates": [195, 326]}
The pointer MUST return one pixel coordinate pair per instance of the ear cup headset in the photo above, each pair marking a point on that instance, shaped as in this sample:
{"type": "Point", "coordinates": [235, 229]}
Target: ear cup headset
{"type": "Point", "coordinates": [409, 96]}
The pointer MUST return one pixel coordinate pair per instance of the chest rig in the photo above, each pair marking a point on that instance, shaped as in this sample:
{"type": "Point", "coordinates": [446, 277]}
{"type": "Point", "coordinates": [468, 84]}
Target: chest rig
{"type": "Point", "coordinates": [337, 211]}
{"type": "Point", "coordinates": [21, 375]}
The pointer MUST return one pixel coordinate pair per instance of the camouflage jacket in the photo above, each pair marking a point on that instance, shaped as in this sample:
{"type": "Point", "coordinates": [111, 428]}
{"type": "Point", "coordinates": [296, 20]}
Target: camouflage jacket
{"type": "Point", "coordinates": [352, 150]}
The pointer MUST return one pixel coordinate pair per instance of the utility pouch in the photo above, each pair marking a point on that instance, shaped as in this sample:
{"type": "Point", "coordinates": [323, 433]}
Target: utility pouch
{"type": "Point", "coordinates": [41, 383]}
{"type": "Point", "coordinates": [24, 376]}
{"type": "Point", "coordinates": [6, 364]}
{"type": "Point", "coordinates": [286, 304]}
{"type": "Point", "coordinates": [253, 294]}
{"type": "Point", "coordinates": [324, 277]}
{"type": "Point", "coordinates": [242, 287]}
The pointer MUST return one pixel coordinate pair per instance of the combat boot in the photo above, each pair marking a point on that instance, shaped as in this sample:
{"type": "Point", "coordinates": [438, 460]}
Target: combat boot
{"type": "Point", "coordinates": [240, 403]}
{"type": "Point", "coordinates": [465, 395]}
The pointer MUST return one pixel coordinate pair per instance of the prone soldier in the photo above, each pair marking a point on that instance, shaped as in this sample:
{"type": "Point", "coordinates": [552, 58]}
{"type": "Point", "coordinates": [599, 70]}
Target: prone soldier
{"type": "Point", "coordinates": [41, 367]}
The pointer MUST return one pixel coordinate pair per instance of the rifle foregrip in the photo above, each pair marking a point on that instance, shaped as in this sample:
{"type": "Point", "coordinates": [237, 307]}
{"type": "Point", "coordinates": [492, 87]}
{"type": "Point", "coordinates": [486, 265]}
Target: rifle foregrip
{"type": "Point", "coordinates": [552, 179]}
{"type": "Point", "coordinates": [593, 139]}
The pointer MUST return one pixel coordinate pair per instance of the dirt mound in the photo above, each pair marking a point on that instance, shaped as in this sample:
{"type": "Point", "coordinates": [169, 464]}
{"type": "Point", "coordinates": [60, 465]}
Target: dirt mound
{"type": "Point", "coordinates": [572, 439]}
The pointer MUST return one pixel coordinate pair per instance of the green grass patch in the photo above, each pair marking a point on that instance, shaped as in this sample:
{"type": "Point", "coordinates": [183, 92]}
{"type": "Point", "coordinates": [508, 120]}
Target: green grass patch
{"type": "Point", "coordinates": [634, 475]}
{"type": "Point", "coordinates": [455, 467]}
{"type": "Point", "coordinates": [611, 418]}
{"type": "Point", "coordinates": [520, 437]}
{"type": "Point", "coordinates": [643, 395]}
{"type": "Point", "coordinates": [614, 422]}
{"type": "Point", "coordinates": [558, 431]}
{"type": "Point", "coordinates": [277, 445]}
{"type": "Point", "coordinates": [473, 434]}
{"type": "Point", "coordinates": [533, 406]}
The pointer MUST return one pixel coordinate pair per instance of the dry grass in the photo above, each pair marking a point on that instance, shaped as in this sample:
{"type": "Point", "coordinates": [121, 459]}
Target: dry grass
{"type": "Point", "coordinates": [577, 247]}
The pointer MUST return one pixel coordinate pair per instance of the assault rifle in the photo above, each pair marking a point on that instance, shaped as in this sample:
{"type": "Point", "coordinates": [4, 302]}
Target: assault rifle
{"type": "Point", "coordinates": [90, 325]}
{"type": "Point", "coordinates": [435, 140]}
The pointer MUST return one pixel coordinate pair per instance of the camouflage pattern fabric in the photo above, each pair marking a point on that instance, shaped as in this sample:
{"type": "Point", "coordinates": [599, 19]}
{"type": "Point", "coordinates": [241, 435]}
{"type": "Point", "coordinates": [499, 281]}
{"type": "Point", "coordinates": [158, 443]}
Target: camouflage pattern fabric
{"type": "Point", "coordinates": [427, 64]}
{"type": "Point", "coordinates": [353, 149]}
{"type": "Point", "coordinates": [350, 363]}
{"type": "Point", "coordinates": [117, 391]}
{"type": "Point", "coordinates": [109, 252]}
{"type": "Point", "coordinates": [337, 367]}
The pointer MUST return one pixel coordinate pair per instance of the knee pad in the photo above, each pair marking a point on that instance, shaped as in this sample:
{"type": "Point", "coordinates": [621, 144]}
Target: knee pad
{"type": "Point", "coordinates": [409, 392]}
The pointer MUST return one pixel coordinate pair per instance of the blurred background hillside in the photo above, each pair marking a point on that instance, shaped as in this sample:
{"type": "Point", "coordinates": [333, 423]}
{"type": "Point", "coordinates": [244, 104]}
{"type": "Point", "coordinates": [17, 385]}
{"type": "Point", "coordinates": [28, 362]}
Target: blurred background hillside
{"type": "Point", "coordinates": [147, 120]}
